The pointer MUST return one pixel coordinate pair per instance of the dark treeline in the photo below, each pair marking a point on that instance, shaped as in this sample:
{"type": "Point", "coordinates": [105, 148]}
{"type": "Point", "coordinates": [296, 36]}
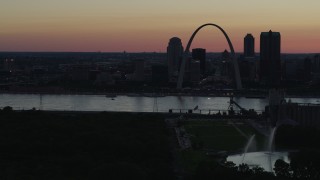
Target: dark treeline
{"type": "Point", "coordinates": [297, 137]}
{"type": "Point", "coordinates": [42, 145]}
{"type": "Point", "coordinates": [303, 166]}
{"type": "Point", "coordinates": [50, 145]}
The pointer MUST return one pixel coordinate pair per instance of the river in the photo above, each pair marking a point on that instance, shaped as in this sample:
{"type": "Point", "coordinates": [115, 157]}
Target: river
{"type": "Point", "coordinates": [129, 104]}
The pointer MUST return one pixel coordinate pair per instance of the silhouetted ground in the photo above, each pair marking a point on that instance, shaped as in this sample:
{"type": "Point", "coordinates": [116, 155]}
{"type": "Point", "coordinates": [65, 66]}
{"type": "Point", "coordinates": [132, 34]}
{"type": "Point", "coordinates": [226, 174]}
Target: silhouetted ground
{"type": "Point", "coordinates": [44, 145]}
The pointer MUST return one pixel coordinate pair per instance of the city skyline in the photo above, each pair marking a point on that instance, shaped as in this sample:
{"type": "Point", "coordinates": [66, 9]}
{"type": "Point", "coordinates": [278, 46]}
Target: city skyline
{"type": "Point", "coordinates": [144, 26]}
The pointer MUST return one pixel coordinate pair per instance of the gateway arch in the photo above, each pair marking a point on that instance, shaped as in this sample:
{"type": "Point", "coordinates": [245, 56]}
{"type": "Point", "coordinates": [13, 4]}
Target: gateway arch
{"type": "Point", "coordinates": [187, 51]}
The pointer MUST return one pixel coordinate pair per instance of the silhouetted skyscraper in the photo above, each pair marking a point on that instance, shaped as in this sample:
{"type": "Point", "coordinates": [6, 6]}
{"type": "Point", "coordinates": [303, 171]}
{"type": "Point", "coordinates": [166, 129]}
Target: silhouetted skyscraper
{"type": "Point", "coordinates": [139, 70]}
{"type": "Point", "coordinates": [200, 55]}
{"type": "Point", "coordinates": [174, 55]}
{"type": "Point", "coordinates": [249, 46]}
{"type": "Point", "coordinates": [270, 60]}
{"type": "Point", "coordinates": [226, 68]}
{"type": "Point", "coordinates": [307, 68]}
{"type": "Point", "coordinates": [225, 55]}
{"type": "Point", "coordinates": [316, 64]}
{"type": "Point", "coordinates": [195, 71]}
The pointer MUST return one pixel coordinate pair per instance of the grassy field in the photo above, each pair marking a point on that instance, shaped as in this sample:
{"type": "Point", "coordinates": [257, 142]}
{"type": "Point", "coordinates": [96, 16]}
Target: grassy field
{"type": "Point", "coordinates": [218, 135]}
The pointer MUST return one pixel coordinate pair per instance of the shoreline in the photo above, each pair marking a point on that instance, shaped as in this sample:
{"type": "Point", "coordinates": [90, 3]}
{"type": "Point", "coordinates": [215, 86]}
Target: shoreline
{"type": "Point", "coordinates": [153, 95]}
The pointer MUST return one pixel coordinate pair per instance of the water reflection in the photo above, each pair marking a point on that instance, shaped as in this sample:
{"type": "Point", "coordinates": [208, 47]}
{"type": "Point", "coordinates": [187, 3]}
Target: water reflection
{"type": "Point", "coordinates": [133, 104]}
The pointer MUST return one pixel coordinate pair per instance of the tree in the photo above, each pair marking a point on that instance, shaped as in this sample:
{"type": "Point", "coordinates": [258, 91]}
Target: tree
{"type": "Point", "coordinates": [244, 168]}
{"type": "Point", "coordinates": [7, 109]}
{"type": "Point", "coordinates": [282, 169]}
{"type": "Point", "coordinates": [305, 165]}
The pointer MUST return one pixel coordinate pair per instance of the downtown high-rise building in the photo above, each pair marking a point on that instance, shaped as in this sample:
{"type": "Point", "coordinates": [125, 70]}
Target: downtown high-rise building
{"type": "Point", "coordinates": [248, 46]}
{"type": "Point", "coordinates": [200, 55]}
{"type": "Point", "coordinates": [174, 55]}
{"type": "Point", "coordinates": [139, 70]}
{"type": "Point", "coordinates": [270, 59]}
{"type": "Point", "coordinates": [195, 71]}
{"type": "Point", "coordinates": [248, 64]}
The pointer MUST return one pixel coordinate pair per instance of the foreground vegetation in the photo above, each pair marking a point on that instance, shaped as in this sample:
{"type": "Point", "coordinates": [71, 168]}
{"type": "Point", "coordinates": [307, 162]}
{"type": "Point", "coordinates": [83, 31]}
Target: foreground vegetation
{"type": "Point", "coordinates": [208, 136]}
{"type": "Point", "coordinates": [43, 145]}
{"type": "Point", "coordinates": [221, 135]}
{"type": "Point", "coordinates": [68, 145]}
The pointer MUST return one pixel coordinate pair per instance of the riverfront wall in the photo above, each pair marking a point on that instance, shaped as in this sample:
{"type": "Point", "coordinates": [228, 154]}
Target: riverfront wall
{"type": "Point", "coordinates": [307, 115]}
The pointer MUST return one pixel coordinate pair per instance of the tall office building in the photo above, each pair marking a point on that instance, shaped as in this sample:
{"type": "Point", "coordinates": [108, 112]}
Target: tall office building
{"type": "Point", "coordinates": [247, 62]}
{"type": "Point", "coordinates": [195, 71]}
{"type": "Point", "coordinates": [200, 55]}
{"type": "Point", "coordinates": [316, 64]}
{"type": "Point", "coordinates": [139, 70]}
{"type": "Point", "coordinates": [249, 46]}
{"type": "Point", "coordinates": [270, 60]}
{"type": "Point", "coordinates": [174, 55]}
{"type": "Point", "coordinates": [226, 67]}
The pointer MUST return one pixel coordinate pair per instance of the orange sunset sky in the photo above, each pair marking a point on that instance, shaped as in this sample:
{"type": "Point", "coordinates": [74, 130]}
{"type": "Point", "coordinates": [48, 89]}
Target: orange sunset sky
{"type": "Point", "coordinates": [147, 25]}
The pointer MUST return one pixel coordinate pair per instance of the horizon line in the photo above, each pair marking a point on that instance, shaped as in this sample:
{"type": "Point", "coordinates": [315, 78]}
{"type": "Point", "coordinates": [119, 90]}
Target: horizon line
{"type": "Point", "coordinates": [160, 52]}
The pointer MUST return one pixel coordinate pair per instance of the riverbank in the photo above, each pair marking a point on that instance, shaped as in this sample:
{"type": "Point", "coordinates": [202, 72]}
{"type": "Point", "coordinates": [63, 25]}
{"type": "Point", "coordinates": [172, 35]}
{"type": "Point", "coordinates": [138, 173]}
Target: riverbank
{"type": "Point", "coordinates": [226, 93]}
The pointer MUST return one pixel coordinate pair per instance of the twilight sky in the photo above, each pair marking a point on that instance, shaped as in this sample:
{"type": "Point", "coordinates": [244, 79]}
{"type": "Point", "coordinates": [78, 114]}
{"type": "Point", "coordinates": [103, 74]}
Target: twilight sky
{"type": "Point", "coordinates": [147, 25]}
